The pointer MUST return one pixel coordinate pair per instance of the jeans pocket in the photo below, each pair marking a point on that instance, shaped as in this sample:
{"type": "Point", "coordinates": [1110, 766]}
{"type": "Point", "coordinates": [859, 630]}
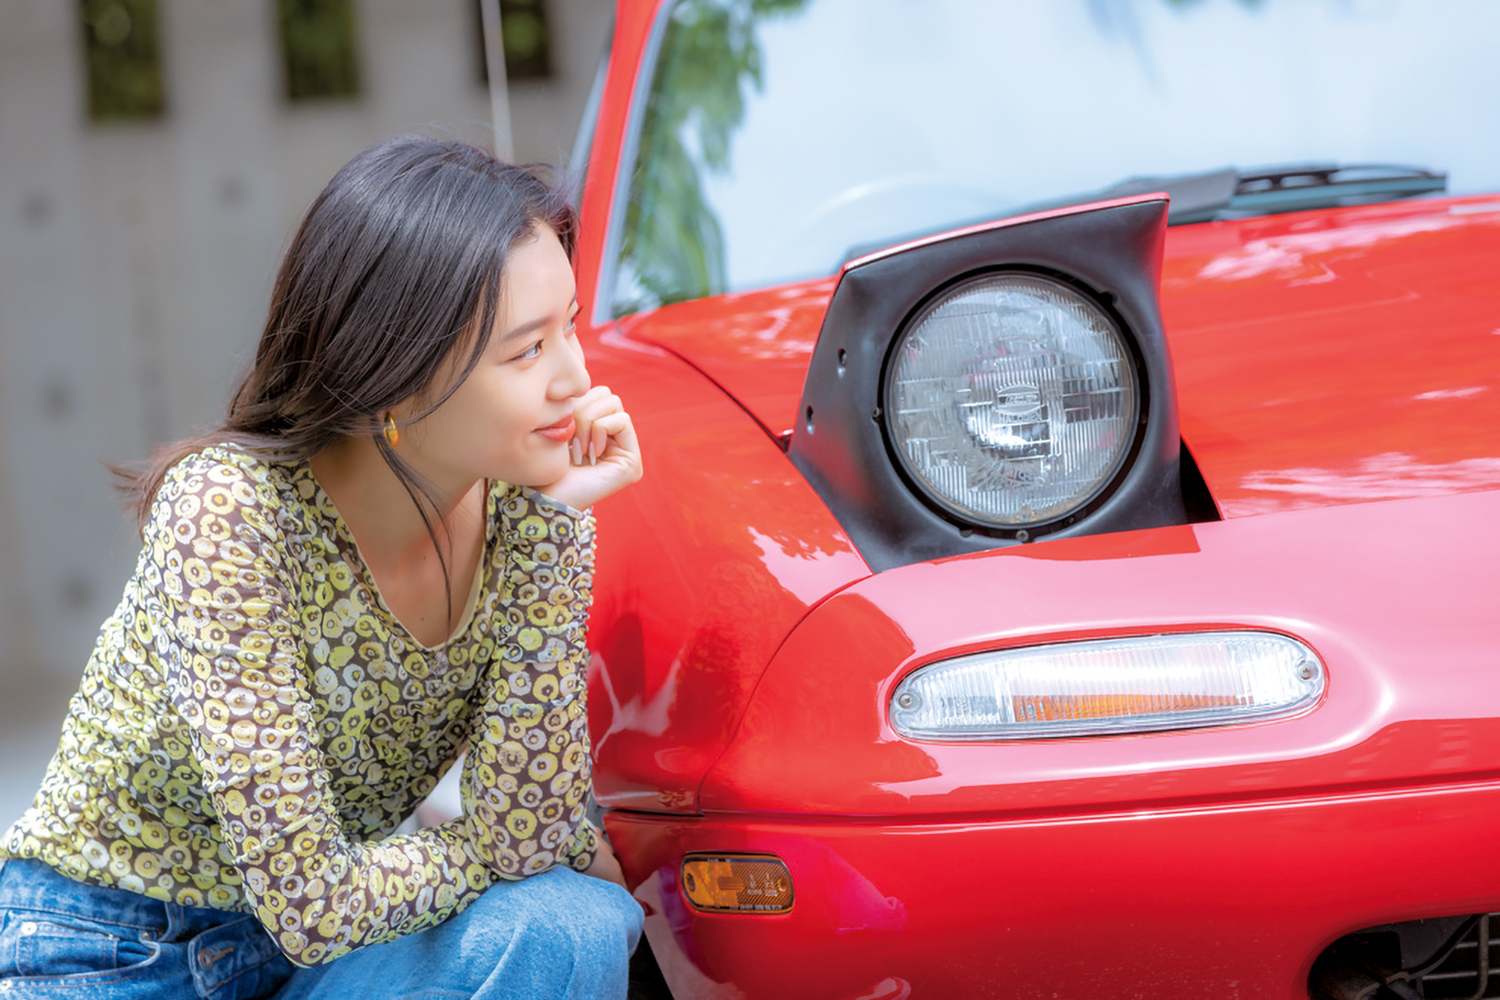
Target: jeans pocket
{"type": "Point", "coordinates": [42, 944]}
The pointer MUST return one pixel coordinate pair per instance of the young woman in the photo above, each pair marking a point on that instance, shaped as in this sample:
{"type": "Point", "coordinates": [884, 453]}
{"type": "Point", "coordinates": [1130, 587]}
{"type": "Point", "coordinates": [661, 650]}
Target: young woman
{"type": "Point", "coordinates": [382, 556]}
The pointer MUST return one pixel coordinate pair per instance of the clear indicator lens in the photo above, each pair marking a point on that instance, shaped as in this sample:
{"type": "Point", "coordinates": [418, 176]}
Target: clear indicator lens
{"type": "Point", "coordinates": [1012, 400]}
{"type": "Point", "coordinates": [1110, 686]}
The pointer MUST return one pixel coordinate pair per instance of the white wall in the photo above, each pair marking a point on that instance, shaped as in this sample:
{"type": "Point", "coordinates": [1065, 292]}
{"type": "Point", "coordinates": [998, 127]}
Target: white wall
{"type": "Point", "coordinates": [136, 259]}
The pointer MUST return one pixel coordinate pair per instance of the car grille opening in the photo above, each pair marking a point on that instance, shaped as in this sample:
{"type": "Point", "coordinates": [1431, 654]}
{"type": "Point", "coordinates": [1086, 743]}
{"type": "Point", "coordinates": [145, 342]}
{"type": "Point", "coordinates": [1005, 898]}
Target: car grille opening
{"type": "Point", "coordinates": [1441, 958]}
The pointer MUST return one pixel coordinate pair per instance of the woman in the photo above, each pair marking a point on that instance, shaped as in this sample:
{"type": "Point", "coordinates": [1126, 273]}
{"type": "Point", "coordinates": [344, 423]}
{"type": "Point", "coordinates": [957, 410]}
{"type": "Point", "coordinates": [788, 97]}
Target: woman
{"type": "Point", "coordinates": [380, 558]}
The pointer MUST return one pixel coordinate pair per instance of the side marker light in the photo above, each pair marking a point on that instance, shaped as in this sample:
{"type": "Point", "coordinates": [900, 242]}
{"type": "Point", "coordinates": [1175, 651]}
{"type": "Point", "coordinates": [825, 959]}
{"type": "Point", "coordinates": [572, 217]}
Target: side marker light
{"type": "Point", "coordinates": [737, 883]}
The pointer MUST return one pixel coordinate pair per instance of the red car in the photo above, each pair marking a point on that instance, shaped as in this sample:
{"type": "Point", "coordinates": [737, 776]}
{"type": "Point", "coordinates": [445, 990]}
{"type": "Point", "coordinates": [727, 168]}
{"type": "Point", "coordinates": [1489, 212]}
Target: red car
{"type": "Point", "coordinates": [1068, 563]}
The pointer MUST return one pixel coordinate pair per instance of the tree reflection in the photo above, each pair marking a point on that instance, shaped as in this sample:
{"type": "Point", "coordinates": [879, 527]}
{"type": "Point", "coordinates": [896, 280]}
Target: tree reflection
{"type": "Point", "coordinates": [673, 248]}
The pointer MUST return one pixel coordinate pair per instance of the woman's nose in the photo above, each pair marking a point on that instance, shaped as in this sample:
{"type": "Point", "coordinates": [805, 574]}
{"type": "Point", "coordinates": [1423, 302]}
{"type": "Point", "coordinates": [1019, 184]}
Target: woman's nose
{"type": "Point", "coordinates": [572, 377]}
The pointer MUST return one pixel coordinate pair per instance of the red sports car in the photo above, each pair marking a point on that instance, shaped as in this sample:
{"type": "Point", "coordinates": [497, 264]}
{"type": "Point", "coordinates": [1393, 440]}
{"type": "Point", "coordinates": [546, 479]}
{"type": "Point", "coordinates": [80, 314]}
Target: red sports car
{"type": "Point", "coordinates": [1068, 563]}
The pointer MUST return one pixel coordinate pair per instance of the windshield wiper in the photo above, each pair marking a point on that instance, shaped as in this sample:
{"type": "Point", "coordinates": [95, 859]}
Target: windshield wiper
{"type": "Point", "coordinates": [1235, 194]}
{"type": "Point", "coordinates": [1231, 194]}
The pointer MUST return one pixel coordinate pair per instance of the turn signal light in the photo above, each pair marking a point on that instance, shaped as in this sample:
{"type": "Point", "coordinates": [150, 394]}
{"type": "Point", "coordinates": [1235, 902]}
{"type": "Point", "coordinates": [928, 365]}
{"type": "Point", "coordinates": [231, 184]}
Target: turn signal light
{"type": "Point", "coordinates": [1135, 684]}
{"type": "Point", "coordinates": [737, 883]}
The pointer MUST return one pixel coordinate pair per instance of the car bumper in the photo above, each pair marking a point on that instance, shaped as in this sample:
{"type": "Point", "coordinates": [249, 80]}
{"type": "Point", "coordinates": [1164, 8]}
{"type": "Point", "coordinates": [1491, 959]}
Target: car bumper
{"type": "Point", "coordinates": [1219, 900]}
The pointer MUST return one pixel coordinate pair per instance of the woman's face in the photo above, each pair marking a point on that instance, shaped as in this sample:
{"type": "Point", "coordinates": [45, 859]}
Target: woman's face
{"type": "Point", "coordinates": [511, 419]}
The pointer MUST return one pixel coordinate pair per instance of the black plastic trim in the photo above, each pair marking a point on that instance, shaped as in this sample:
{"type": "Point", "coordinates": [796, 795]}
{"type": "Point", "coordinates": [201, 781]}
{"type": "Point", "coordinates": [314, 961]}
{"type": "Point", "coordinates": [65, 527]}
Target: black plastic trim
{"type": "Point", "coordinates": [1197, 501]}
{"type": "Point", "coordinates": [1111, 252]}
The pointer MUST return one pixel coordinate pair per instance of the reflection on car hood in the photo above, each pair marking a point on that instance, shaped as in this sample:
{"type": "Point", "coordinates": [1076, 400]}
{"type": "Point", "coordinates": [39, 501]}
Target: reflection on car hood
{"type": "Point", "coordinates": [1322, 358]}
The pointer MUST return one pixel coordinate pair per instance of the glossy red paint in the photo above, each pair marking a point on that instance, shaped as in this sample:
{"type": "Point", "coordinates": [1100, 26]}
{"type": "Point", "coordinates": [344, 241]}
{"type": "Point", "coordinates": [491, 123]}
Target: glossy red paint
{"type": "Point", "coordinates": [692, 599]}
{"type": "Point", "coordinates": [1228, 901]}
{"type": "Point", "coordinates": [1339, 357]}
{"type": "Point", "coordinates": [704, 566]}
{"type": "Point", "coordinates": [1322, 357]}
{"type": "Point", "coordinates": [703, 569]}
{"type": "Point", "coordinates": [1386, 720]}
{"type": "Point", "coordinates": [744, 653]}
{"type": "Point", "coordinates": [952, 868]}
{"type": "Point", "coordinates": [755, 344]}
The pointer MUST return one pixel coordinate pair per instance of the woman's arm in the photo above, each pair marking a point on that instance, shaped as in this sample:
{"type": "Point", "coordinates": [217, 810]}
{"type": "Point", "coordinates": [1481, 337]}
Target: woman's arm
{"type": "Point", "coordinates": [526, 775]}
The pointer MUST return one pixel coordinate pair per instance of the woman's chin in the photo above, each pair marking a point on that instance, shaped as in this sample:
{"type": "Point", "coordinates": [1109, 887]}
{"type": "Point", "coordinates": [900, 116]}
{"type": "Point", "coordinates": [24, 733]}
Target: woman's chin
{"type": "Point", "coordinates": [539, 475]}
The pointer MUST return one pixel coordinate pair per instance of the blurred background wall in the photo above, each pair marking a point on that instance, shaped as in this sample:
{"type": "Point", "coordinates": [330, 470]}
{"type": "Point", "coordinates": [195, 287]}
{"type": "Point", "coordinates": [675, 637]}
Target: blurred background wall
{"type": "Point", "coordinates": [154, 158]}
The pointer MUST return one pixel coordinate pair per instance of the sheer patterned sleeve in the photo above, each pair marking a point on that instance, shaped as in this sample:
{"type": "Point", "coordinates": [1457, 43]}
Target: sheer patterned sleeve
{"type": "Point", "coordinates": [527, 772]}
{"type": "Point", "coordinates": [232, 599]}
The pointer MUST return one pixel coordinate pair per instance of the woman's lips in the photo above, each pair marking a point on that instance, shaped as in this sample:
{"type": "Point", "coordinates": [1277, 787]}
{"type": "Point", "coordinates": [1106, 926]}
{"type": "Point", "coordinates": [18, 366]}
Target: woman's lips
{"type": "Point", "coordinates": [560, 432]}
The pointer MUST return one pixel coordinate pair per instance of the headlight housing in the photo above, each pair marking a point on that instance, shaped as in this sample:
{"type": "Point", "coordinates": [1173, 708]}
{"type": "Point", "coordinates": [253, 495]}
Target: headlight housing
{"type": "Point", "coordinates": [996, 385]}
{"type": "Point", "coordinates": [1103, 687]}
{"type": "Point", "coordinates": [1011, 400]}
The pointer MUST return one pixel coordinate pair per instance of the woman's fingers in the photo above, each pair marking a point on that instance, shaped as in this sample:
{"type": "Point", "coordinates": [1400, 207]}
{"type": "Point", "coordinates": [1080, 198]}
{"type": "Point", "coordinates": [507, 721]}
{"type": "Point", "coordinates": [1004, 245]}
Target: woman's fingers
{"type": "Point", "coordinates": [593, 426]}
{"type": "Point", "coordinates": [604, 452]}
{"type": "Point", "coordinates": [603, 435]}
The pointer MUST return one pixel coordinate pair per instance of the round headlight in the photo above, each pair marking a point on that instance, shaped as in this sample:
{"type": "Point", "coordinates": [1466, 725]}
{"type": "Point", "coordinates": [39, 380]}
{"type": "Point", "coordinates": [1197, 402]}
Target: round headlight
{"type": "Point", "coordinates": [1011, 400]}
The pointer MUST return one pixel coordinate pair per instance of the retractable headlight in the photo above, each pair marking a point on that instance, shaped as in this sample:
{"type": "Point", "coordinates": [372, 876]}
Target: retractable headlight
{"type": "Point", "coordinates": [1012, 400]}
{"type": "Point", "coordinates": [996, 385]}
{"type": "Point", "coordinates": [1110, 686]}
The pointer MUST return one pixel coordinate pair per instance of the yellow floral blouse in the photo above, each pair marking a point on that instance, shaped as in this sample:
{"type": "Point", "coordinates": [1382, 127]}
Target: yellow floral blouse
{"type": "Point", "coordinates": [254, 723]}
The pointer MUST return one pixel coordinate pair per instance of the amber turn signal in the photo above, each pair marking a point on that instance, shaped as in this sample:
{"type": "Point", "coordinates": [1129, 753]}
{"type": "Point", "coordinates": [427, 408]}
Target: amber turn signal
{"type": "Point", "coordinates": [737, 883]}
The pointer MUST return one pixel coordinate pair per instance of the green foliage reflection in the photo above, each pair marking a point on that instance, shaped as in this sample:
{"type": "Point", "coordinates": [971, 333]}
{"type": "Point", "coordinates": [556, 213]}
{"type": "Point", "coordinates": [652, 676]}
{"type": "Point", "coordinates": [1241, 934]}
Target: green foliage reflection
{"type": "Point", "coordinates": [317, 46]}
{"type": "Point", "coordinates": [523, 26]}
{"type": "Point", "coordinates": [123, 58]}
{"type": "Point", "coordinates": [526, 36]}
{"type": "Point", "coordinates": [673, 248]}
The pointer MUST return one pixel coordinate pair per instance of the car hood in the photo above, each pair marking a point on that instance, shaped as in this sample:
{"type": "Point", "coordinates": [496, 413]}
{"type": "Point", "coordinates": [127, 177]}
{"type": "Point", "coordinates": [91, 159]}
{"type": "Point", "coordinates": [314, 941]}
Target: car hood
{"type": "Point", "coordinates": [1322, 358]}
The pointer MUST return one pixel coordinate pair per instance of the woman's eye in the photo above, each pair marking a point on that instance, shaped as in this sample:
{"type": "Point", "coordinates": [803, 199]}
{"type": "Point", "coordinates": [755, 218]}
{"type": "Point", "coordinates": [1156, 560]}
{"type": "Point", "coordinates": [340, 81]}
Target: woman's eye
{"type": "Point", "coordinates": [533, 351]}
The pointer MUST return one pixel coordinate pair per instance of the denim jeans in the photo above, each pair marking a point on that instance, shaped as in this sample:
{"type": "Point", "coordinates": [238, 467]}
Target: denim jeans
{"type": "Point", "coordinates": [558, 934]}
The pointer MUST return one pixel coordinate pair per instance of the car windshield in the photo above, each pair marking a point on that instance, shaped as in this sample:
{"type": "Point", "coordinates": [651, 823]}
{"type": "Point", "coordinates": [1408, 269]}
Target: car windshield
{"type": "Point", "coordinates": [782, 137]}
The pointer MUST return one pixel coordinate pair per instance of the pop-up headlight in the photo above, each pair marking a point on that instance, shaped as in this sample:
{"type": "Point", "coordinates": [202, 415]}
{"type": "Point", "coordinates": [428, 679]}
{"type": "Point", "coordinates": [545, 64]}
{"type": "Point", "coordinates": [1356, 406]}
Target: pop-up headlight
{"type": "Point", "coordinates": [1012, 400]}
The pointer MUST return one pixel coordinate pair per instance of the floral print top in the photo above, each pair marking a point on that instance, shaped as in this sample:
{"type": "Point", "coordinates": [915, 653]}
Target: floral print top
{"type": "Point", "coordinates": [254, 724]}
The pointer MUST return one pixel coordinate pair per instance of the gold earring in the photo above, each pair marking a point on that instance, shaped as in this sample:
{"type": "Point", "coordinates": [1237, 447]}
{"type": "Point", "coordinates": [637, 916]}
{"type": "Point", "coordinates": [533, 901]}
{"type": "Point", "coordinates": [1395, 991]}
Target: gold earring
{"type": "Point", "coordinates": [391, 431]}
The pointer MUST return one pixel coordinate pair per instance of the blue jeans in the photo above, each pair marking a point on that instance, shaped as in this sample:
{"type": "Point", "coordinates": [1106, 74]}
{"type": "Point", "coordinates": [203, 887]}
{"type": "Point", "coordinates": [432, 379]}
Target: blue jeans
{"type": "Point", "coordinates": [558, 934]}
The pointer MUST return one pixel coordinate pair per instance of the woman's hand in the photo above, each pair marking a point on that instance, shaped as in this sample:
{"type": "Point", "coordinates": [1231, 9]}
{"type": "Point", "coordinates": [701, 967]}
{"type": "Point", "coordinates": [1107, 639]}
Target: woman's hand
{"type": "Point", "coordinates": [605, 455]}
{"type": "Point", "coordinates": [606, 866]}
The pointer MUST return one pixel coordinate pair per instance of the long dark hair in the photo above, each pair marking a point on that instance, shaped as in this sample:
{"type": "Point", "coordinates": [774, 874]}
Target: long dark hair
{"type": "Point", "coordinates": [396, 265]}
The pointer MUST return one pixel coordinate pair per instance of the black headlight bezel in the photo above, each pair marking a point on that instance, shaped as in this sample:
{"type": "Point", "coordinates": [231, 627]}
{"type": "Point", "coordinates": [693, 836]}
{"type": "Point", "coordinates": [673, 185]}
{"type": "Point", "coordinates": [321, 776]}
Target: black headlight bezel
{"type": "Point", "coordinates": [1110, 252]}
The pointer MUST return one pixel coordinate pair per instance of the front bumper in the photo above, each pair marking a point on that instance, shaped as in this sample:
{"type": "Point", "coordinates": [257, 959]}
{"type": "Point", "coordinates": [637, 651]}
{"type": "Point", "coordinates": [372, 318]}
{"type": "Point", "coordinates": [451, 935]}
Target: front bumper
{"type": "Point", "coordinates": [1218, 900]}
{"type": "Point", "coordinates": [1217, 862]}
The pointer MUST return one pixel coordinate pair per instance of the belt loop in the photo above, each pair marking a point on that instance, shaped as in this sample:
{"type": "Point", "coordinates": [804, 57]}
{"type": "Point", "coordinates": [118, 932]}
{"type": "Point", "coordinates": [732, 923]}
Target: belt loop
{"type": "Point", "coordinates": [174, 922]}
